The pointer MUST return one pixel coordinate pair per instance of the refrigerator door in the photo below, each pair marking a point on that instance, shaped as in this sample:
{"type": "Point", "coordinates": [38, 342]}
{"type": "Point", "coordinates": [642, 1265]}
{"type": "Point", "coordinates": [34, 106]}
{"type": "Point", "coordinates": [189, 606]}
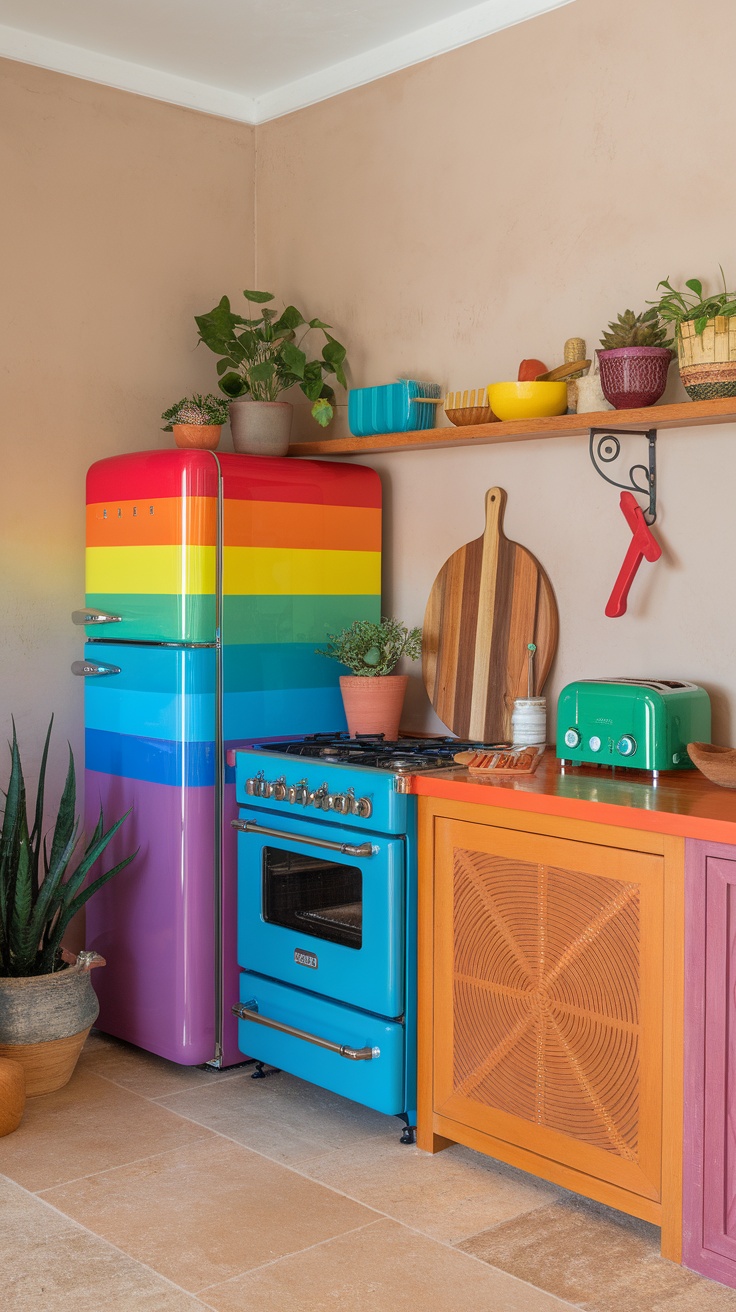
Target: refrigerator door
{"type": "Point", "coordinates": [151, 547]}
{"type": "Point", "coordinates": [150, 746]}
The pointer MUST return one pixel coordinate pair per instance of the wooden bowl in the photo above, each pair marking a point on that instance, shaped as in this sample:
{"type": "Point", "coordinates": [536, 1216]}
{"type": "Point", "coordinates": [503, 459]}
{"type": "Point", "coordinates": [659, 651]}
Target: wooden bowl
{"type": "Point", "coordinates": [717, 763]}
{"type": "Point", "coordinates": [472, 414]}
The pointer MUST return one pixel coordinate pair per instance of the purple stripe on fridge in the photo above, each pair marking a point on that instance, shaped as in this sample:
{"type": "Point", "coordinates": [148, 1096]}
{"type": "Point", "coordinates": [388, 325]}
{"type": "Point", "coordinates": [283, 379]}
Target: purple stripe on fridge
{"type": "Point", "coordinates": [154, 923]}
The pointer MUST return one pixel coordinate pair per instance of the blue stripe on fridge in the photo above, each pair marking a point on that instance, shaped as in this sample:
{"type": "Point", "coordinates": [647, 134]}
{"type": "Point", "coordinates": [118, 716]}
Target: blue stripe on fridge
{"type": "Point", "coordinates": [154, 759]}
{"type": "Point", "coordinates": [283, 711]}
{"type": "Point", "coordinates": [189, 716]}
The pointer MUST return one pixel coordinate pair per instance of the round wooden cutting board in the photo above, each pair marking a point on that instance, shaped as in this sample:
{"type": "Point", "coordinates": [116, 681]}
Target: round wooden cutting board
{"type": "Point", "coordinates": [488, 602]}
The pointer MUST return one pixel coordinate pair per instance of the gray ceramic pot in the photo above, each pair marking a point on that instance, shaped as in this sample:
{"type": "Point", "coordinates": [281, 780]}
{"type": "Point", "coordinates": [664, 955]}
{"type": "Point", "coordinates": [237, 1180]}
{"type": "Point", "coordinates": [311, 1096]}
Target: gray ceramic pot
{"type": "Point", "coordinates": [261, 428]}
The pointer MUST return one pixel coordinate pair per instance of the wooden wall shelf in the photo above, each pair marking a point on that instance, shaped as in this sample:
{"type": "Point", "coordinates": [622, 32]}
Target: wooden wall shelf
{"type": "Point", "coordinates": [685, 414]}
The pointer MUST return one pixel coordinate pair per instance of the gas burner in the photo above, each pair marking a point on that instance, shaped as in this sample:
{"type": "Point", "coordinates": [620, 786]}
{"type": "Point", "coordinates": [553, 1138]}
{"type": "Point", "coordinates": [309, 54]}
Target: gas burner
{"type": "Point", "coordinates": [371, 751]}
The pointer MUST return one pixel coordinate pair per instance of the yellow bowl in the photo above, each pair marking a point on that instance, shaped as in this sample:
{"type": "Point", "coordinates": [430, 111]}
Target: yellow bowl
{"type": "Point", "coordinates": [527, 400]}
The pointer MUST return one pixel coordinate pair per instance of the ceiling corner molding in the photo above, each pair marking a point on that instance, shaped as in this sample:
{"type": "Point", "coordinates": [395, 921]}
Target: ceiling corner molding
{"type": "Point", "coordinates": [427, 42]}
{"type": "Point", "coordinates": [124, 75]}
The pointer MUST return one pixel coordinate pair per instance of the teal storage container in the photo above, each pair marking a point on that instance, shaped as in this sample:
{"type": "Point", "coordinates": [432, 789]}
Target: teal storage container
{"type": "Point", "coordinates": [394, 408]}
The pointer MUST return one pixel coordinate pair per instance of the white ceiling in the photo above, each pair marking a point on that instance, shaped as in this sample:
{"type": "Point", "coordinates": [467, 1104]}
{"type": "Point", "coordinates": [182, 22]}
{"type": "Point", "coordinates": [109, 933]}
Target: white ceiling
{"type": "Point", "coordinates": [251, 60]}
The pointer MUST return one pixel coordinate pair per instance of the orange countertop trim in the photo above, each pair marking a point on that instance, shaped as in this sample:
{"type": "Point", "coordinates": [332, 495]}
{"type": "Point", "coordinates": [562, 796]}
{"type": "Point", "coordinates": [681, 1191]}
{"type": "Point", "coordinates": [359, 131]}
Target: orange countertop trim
{"type": "Point", "coordinates": [682, 803]}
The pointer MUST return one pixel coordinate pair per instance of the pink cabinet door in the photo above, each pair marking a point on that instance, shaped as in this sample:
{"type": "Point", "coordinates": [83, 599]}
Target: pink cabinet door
{"type": "Point", "coordinates": [709, 1182]}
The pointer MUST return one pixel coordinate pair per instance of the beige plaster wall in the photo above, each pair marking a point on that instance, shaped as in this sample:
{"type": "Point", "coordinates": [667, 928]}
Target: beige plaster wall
{"type": "Point", "coordinates": [121, 218]}
{"type": "Point", "coordinates": [480, 208]}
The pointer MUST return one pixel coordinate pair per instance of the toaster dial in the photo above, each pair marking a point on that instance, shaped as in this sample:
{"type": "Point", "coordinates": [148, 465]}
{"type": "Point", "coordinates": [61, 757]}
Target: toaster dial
{"type": "Point", "coordinates": [594, 743]}
{"type": "Point", "coordinates": [626, 746]}
{"type": "Point", "coordinates": [572, 738]}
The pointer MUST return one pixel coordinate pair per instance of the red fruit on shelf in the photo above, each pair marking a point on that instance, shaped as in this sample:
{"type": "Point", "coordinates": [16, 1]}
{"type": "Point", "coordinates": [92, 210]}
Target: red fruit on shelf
{"type": "Point", "coordinates": [529, 370]}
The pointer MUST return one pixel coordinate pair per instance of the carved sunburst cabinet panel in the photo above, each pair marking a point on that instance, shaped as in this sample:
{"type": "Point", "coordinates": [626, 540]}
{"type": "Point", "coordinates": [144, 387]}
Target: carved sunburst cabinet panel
{"type": "Point", "coordinates": [545, 968]}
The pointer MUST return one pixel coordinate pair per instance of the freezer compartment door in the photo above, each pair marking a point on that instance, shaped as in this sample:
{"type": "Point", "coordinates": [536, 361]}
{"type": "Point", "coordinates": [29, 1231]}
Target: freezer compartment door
{"type": "Point", "coordinates": [375, 1081]}
{"type": "Point", "coordinates": [151, 547]}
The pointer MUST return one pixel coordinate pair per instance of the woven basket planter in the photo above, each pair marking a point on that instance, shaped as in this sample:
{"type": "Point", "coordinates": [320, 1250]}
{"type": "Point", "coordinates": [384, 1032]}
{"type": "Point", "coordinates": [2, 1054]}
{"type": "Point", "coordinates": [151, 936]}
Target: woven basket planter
{"type": "Point", "coordinates": [44, 1020]}
{"type": "Point", "coordinates": [707, 360]}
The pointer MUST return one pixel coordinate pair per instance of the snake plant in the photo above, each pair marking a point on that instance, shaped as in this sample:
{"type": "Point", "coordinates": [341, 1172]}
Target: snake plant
{"type": "Point", "coordinates": [39, 892]}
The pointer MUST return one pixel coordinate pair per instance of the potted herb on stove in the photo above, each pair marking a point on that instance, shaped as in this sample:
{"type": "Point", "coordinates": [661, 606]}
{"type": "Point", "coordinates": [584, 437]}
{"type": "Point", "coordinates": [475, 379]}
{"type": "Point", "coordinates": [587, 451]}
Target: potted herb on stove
{"type": "Point", "coordinates": [373, 696]}
{"type": "Point", "coordinates": [261, 358]}
{"type": "Point", "coordinates": [196, 421]}
{"type": "Point", "coordinates": [634, 357]}
{"type": "Point", "coordinates": [705, 334]}
{"type": "Point", "coordinates": [47, 1003]}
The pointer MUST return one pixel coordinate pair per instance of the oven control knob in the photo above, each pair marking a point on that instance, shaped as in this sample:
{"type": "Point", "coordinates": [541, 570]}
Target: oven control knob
{"type": "Point", "coordinates": [341, 803]}
{"type": "Point", "coordinates": [573, 738]}
{"type": "Point", "coordinates": [362, 807]}
{"type": "Point", "coordinates": [267, 788]}
{"type": "Point", "coordinates": [319, 797]}
{"type": "Point", "coordinates": [279, 790]}
{"type": "Point", "coordinates": [250, 787]}
{"type": "Point", "coordinates": [594, 743]}
{"type": "Point", "coordinates": [626, 746]}
{"type": "Point", "coordinates": [297, 794]}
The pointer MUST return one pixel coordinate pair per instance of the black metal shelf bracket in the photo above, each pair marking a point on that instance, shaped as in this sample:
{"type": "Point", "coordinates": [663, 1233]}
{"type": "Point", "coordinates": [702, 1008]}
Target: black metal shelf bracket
{"type": "Point", "coordinates": [605, 449]}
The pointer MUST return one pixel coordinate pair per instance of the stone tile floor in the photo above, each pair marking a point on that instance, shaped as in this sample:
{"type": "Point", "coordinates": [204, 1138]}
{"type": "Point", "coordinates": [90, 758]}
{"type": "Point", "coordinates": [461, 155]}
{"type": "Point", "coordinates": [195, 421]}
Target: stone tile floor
{"type": "Point", "coordinates": [158, 1188]}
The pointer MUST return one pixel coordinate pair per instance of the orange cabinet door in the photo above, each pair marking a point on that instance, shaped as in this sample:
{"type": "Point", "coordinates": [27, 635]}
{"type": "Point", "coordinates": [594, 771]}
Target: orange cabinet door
{"type": "Point", "coordinates": [548, 998]}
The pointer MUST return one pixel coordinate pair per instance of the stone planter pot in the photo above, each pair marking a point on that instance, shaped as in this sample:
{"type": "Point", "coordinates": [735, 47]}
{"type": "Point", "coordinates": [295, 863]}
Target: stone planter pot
{"type": "Point", "coordinates": [261, 428]}
{"type": "Point", "coordinates": [634, 376]}
{"type": "Point", "coordinates": [44, 1020]}
{"type": "Point", "coordinates": [205, 437]}
{"type": "Point", "coordinates": [373, 704]}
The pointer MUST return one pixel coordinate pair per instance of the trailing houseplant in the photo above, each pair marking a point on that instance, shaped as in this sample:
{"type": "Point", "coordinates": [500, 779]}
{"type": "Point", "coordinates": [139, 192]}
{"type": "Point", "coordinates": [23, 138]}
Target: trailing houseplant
{"type": "Point", "coordinates": [634, 358]}
{"type": "Point", "coordinates": [705, 334]}
{"type": "Point", "coordinates": [47, 1004]}
{"type": "Point", "coordinates": [264, 356]}
{"type": "Point", "coordinates": [373, 695]}
{"type": "Point", "coordinates": [196, 421]}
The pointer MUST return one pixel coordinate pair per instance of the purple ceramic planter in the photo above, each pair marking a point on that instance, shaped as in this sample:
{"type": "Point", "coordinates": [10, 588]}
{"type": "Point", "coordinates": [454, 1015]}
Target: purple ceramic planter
{"type": "Point", "coordinates": [634, 376]}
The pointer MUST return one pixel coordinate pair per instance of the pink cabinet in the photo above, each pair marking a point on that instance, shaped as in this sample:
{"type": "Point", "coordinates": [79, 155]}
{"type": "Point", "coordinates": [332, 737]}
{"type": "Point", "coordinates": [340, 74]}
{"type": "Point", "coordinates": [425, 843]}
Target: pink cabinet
{"type": "Point", "coordinates": [709, 1183]}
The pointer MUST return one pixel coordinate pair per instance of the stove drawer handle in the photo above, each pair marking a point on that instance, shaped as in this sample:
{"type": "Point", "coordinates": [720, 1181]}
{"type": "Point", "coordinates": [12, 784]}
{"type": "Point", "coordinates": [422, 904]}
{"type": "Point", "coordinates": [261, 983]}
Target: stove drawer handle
{"type": "Point", "coordinates": [347, 849]}
{"type": "Point", "coordinates": [249, 1011]}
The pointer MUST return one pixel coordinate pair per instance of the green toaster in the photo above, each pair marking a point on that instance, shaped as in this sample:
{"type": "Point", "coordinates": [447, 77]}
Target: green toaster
{"type": "Point", "coordinates": [644, 724]}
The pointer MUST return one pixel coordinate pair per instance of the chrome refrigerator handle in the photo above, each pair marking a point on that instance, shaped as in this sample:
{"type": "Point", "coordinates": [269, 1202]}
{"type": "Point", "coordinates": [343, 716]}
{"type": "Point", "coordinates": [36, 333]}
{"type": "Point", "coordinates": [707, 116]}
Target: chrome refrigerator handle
{"type": "Point", "coordinates": [347, 849]}
{"type": "Point", "coordinates": [93, 616]}
{"type": "Point", "coordinates": [88, 668]}
{"type": "Point", "coordinates": [249, 1011]}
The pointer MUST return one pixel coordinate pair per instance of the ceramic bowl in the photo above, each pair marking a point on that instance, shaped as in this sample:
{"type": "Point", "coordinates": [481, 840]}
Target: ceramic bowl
{"type": "Point", "coordinates": [527, 400]}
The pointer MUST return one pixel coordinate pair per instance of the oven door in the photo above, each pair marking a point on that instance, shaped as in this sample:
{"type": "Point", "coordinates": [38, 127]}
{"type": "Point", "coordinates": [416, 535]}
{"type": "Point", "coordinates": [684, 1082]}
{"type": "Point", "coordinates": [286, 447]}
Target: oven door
{"type": "Point", "coordinates": [319, 918]}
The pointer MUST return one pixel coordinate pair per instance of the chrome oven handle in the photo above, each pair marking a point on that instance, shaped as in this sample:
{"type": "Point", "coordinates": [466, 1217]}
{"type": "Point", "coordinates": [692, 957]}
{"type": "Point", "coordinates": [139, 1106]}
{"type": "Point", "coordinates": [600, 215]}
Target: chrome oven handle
{"type": "Point", "coordinates": [249, 1011]}
{"type": "Point", "coordinates": [347, 849]}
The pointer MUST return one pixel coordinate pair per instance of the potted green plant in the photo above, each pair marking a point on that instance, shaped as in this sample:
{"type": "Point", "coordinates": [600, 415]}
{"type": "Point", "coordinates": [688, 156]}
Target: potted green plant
{"type": "Point", "coordinates": [705, 333]}
{"type": "Point", "coordinates": [259, 359]}
{"type": "Point", "coordinates": [47, 1003]}
{"type": "Point", "coordinates": [196, 421]}
{"type": "Point", "coordinates": [634, 357]}
{"type": "Point", "coordinates": [373, 695]}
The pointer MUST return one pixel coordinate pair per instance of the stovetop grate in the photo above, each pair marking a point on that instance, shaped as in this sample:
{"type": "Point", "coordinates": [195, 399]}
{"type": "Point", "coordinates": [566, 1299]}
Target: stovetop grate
{"type": "Point", "coordinates": [407, 755]}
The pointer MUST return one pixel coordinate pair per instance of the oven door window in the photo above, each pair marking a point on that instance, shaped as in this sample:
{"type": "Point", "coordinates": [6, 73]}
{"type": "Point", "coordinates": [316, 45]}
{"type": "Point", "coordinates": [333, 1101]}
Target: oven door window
{"type": "Point", "coordinates": [313, 895]}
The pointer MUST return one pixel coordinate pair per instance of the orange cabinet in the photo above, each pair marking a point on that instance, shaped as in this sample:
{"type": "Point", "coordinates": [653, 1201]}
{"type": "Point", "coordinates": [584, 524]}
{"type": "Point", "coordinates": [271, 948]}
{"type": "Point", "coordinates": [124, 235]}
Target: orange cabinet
{"type": "Point", "coordinates": [551, 1001]}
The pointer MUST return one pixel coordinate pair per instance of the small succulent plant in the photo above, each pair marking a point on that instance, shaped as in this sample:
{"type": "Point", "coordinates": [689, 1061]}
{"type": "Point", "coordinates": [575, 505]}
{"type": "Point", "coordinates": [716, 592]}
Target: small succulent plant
{"type": "Point", "coordinates": [370, 649]}
{"type": "Point", "coordinates": [196, 409]}
{"type": "Point", "coordinates": [632, 329]}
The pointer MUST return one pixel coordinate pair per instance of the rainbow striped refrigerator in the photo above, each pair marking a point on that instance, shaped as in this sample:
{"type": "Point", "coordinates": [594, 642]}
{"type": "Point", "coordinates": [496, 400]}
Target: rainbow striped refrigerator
{"type": "Point", "coordinates": [210, 580]}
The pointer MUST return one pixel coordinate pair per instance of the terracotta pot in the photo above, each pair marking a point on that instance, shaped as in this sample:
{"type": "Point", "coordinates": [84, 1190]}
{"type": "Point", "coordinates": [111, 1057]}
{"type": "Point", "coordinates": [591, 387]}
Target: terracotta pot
{"type": "Point", "coordinates": [633, 376]}
{"type": "Point", "coordinates": [373, 704]}
{"type": "Point", "coordinates": [44, 1020]}
{"type": "Point", "coordinates": [204, 436]}
{"type": "Point", "coordinates": [12, 1095]}
{"type": "Point", "coordinates": [261, 428]}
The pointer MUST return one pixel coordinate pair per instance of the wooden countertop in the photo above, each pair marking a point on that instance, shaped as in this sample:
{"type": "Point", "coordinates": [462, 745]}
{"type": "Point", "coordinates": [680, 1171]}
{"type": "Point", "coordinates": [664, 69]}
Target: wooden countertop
{"type": "Point", "coordinates": [682, 802]}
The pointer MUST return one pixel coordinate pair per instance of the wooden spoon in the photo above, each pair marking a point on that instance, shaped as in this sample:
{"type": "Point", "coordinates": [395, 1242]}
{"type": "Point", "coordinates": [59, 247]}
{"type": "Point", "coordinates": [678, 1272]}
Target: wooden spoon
{"type": "Point", "coordinates": [563, 371]}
